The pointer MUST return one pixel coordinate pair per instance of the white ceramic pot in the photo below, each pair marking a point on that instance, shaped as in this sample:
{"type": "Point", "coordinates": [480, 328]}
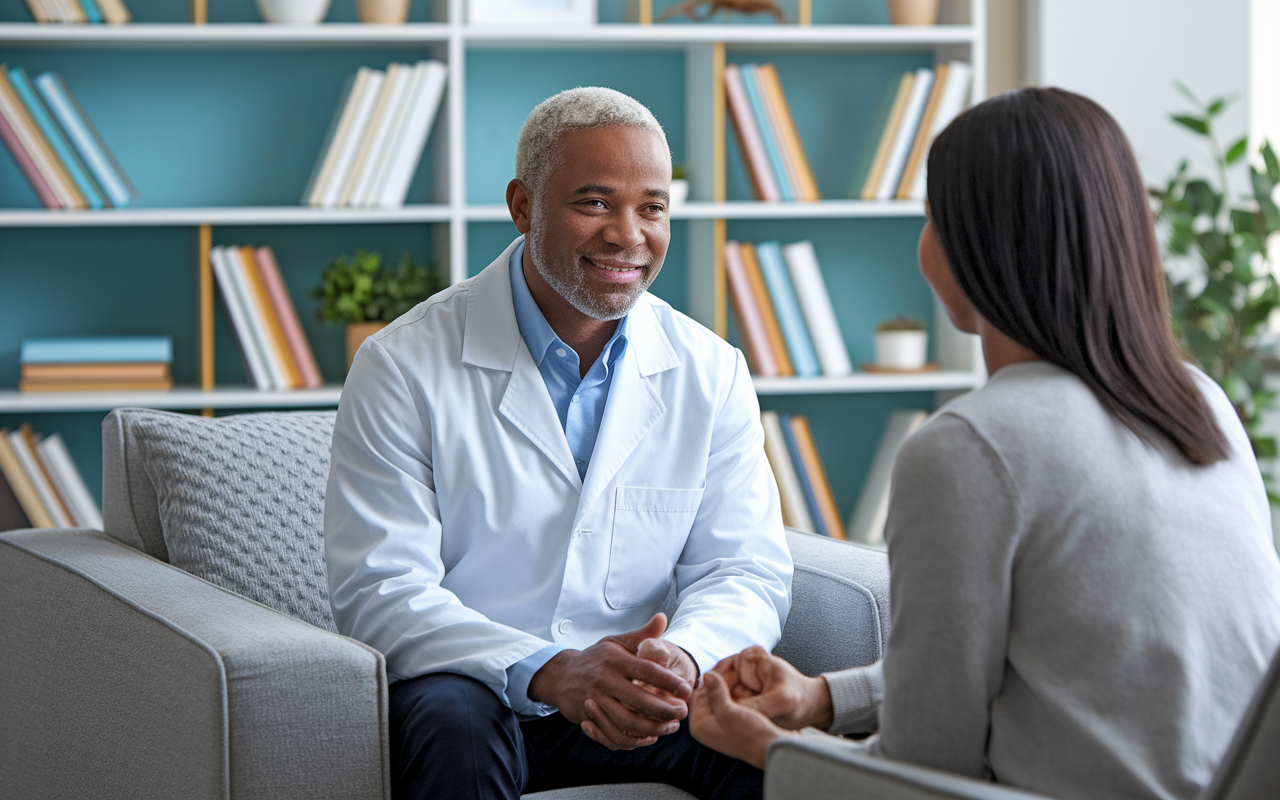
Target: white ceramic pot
{"type": "Point", "coordinates": [383, 12]}
{"type": "Point", "coordinates": [679, 191]}
{"type": "Point", "coordinates": [293, 12]}
{"type": "Point", "coordinates": [901, 349]}
{"type": "Point", "coordinates": [913, 12]}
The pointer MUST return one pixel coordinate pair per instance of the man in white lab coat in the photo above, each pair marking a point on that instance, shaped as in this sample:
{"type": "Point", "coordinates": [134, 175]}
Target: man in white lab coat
{"type": "Point", "coordinates": [524, 464]}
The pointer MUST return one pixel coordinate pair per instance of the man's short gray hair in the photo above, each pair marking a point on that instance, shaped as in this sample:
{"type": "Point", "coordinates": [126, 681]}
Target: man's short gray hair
{"type": "Point", "coordinates": [570, 110]}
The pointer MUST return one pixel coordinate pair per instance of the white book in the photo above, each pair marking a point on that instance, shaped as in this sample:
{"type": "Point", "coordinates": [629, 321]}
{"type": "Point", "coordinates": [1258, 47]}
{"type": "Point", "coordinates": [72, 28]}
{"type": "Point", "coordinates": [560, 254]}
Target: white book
{"type": "Point", "coordinates": [906, 136]}
{"type": "Point", "coordinates": [239, 320]}
{"type": "Point", "coordinates": [333, 140]}
{"type": "Point", "coordinates": [428, 91]}
{"type": "Point", "coordinates": [375, 136]}
{"type": "Point", "coordinates": [70, 484]}
{"type": "Point", "coordinates": [31, 465]}
{"type": "Point", "coordinates": [955, 96]}
{"type": "Point", "coordinates": [795, 509]}
{"type": "Point", "coordinates": [867, 523]}
{"type": "Point", "coordinates": [819, 314]}
{"type": "Point", "coordinates": [254, 316]}
{"type": "Point", "coordinates": [350, 143]}
{"type": "Point", "coordinates": [372, 194]}
{"type": "Point", "coordinates": [391, 125]}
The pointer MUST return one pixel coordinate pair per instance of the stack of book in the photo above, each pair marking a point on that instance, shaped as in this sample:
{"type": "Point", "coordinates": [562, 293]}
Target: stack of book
{"type": "Point", "coordinates": [807, 501]}
{"type": "Point", "coordinates": [95, 12]}
{"type": "Point", "coordinates": [914, 109]}
{"type": "Point", "coordinates": [40, 486]}
{"type": "Point", "coordinates": [784, 311]}
{"type": "Point", "coordinates": [377, 136]}
{"type": "Point", "coordinates": [276, 352]}
{"type": "Point", "coordinates": [96, 363]}
{"type": "Point", "coordinates": [771, 146]}
{"type": "Point", "coordinates": [56, 147]}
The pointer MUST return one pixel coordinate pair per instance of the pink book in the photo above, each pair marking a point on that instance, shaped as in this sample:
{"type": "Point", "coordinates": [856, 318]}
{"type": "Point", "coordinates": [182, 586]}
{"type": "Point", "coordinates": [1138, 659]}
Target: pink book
{"type": "Point", "coordinates": [288, 316]}
{"type": "Point", "coordinates": [744, 122]}
{"type": "Point", "coordinates": [754, 337]}
{"type": "Point", "coordinates": [27, 166]}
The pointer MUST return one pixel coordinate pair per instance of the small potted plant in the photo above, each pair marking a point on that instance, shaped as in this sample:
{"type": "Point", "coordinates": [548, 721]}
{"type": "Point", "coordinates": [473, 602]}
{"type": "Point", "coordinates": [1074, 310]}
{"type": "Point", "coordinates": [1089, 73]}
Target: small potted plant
{"type": "Point", "coordinates": [679, 185]}
{"type": "Point", "coordinates": [901, 344]}
{"type": "Point", "coordinates": [365, 294]}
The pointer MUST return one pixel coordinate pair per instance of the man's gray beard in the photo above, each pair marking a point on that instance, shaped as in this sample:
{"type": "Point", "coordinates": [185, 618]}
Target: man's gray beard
{"type": "Point", "coordinates": [574, 287]}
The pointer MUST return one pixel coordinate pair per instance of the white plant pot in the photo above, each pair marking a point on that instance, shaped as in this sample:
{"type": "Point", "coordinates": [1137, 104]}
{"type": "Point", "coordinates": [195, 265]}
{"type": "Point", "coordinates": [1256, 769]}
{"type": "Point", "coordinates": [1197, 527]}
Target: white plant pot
{"type": "Point", "coordinates": [679, 191]}
{"type": "Point", "coordinates": [901, 349]}
{"type": "Point", "coordinates": [293, 12]}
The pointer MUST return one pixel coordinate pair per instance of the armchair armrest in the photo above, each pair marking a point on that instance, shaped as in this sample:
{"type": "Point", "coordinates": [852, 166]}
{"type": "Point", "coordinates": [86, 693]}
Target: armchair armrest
{"type": "Point", "coordinates": [123, 676]}
{"type": "Point", "coordinates": [820, 767]}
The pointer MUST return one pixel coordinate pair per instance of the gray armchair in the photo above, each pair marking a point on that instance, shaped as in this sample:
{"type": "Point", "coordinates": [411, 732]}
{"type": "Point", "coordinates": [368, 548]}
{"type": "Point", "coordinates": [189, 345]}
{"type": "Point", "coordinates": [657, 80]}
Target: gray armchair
{"type": "Point", "coordinates": [184, 652]}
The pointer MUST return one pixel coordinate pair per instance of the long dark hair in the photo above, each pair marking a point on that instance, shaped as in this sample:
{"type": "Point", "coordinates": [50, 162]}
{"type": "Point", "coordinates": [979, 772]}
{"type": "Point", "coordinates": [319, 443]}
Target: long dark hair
{"type": "Point", "coordinates": [1039, 207]}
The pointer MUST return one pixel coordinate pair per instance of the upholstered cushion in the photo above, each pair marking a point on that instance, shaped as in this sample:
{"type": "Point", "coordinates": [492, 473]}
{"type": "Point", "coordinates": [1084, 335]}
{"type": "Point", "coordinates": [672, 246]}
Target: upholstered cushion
{"type": "Point", "coordinates": [241, 502]}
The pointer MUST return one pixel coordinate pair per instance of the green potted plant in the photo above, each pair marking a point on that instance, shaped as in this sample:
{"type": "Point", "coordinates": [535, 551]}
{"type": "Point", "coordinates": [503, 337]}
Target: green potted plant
{"type": "Point", "coordinates": [1222, 289]}
{"type": "Point", "coordinates": [365, 294]}
{"type": "Point", "coordinates": [901, 344]}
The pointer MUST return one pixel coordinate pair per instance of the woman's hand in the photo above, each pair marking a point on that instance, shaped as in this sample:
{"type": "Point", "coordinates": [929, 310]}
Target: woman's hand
{"type": "Point", "coordinates": [767, 684]}
{"type": "Point", "coordinates": [728, 727]}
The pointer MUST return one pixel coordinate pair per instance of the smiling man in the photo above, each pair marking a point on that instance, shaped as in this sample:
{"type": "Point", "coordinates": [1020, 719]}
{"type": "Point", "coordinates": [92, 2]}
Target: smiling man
{"type": "Point", "coordinates": [526, 464]}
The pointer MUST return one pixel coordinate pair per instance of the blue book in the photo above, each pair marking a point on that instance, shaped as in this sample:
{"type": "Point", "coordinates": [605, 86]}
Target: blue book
{"type": "Point", "coordinates": [752, 84]}
{"type": "Point", "coordinates": [91, 11]}
{"type": "Point", "coordinates": [87, 142]}
{"type": "Point", "coordinates": [61, 147]}
{"type": "Point", "coordinates": [97, 350]}
{"type": "Point", "coordinates": [790, 318]}
{"type": "Point", "coordinates": [806, 480]}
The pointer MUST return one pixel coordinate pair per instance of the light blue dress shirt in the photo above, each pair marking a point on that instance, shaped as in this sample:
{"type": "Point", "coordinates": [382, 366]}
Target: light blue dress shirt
{"type": "Point", "coordinates": [580, 402]}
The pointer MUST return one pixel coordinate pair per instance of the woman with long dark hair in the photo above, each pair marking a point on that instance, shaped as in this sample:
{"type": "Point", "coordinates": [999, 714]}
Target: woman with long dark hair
{"type": "Point", "coordinates": [1084, 590]}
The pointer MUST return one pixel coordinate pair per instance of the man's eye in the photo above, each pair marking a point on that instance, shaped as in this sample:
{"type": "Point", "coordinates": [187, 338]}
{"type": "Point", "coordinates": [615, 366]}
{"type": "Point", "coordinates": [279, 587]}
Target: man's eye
{"type": "Point", "coordinates": [594, 203]}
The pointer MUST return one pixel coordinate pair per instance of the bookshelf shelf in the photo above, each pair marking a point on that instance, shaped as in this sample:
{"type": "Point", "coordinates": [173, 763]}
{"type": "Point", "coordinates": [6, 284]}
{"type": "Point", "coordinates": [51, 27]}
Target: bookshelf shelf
{"type": "Point", "coordinates": [221, 35]}
{"type": "Point", "coordinates": [243, 215]}
{"type": "Point", "coordinates": [179, 398]}
{"type": "Point", "coordinates": [825, 209]}
{"type": "Point", "coordinates": [942, 381]}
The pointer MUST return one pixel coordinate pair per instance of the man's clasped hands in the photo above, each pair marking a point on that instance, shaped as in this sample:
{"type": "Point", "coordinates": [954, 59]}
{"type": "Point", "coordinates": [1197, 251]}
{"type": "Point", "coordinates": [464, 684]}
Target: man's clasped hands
{"type": "Point", "coordinates": [628, 690]}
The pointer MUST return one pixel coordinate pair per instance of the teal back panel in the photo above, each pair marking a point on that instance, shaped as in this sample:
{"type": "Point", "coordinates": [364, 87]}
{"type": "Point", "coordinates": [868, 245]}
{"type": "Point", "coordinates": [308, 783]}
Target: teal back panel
{"type": "Point", "coordinates": [219, 11]}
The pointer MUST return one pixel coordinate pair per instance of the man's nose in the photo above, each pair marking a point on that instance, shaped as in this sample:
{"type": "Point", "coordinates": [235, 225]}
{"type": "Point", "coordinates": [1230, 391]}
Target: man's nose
{"type": "Point", "coordinates": [624, 230]}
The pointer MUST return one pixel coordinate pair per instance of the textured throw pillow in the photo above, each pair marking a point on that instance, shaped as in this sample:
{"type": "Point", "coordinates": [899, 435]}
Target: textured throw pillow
{"type": "Point", "coordinates": [241, 503]}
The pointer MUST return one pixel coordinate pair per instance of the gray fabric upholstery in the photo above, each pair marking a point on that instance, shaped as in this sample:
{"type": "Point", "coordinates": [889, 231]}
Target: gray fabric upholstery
{"type": "Point", "coordinates": [1251, 768]}
{"type": "Point", "coordinates": [241, 501]}
{"type": "Point", "coordinates": [614, 791]}
{"type": "Point", "coordinates": [127, 678]}
{"type": "Point", "coordinates": [130, 510]}
{"type": "Point", "coordinates": [822, 767]}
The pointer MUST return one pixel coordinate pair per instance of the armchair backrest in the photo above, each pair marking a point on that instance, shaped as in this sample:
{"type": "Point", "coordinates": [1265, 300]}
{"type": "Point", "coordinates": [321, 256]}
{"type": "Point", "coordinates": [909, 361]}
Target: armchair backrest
{"type": "Point", "coordinates": [1251, 767]}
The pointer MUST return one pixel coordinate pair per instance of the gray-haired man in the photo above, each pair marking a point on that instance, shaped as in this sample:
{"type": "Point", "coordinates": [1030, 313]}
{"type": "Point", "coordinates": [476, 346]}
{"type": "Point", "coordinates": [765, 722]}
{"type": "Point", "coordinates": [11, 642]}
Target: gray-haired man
{"type": "Point", "coordinates": [522, 467]}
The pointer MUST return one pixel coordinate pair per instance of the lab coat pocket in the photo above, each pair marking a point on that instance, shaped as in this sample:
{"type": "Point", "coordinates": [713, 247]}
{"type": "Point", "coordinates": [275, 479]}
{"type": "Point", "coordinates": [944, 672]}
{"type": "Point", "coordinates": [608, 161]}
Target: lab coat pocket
{"type": "Point", "coordinates": [649, 531]}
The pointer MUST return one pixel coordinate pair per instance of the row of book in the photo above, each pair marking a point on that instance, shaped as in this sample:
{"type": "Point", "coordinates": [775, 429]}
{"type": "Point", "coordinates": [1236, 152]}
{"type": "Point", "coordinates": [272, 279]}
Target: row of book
{"type": "Point", "coordinates": [94, 12]}
{"type": "Point", "coordinates": [40, 486]}
{"type": "Point", "coordinates": [912, 112]}
{"type": "Point", "coordinates": [263, 318]}
{"type": "Point", "coordinates": [784, 311]}
{"type": "Point", "coordinates": [58, 150]}
{"type": "Point", "coordinates": [96, 363]}
{"type": "Point", "coordinates": [775, 159]}
{"type": "Point", "coordinates": [377, 136]}
{"type": "Point", "coordinates": [807, 500]}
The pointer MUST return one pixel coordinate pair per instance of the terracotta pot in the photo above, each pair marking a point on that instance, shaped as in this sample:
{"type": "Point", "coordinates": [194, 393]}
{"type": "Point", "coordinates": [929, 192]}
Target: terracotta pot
{"type": "Point", "coordinates": [913, 12]}
{"type": "Point", "coordinates": [357, 332]}
{"type": "Point", "coordinates": [383, 12]}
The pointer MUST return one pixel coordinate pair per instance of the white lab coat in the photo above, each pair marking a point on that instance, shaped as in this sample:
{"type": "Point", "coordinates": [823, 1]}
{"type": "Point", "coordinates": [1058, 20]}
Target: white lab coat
{"type": "Point", "coordinates": [454, 509]}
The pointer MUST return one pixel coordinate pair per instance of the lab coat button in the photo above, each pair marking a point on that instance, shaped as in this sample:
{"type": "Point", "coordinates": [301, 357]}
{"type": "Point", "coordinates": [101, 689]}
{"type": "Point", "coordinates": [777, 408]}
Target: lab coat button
{"type": "Point", "coordinates": [565, 625]}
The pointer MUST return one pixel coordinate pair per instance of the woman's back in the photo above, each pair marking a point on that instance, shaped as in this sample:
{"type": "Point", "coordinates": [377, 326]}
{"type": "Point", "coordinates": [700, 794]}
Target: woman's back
{"type": "Point", "coordinates": [1075, 611]}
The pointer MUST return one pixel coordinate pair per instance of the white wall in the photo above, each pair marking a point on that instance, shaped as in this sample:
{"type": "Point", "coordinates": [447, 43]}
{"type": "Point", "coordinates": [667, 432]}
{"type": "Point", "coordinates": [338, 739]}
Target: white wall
{"type": "Point", "coordinates": [1126, 54]}
{"type": "Point", "coordinates": [1264, 72]}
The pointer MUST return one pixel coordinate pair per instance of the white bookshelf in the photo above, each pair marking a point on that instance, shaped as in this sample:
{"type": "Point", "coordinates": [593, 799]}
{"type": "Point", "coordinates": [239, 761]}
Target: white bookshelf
{"type": "Point", "coordinates": [178, 398]}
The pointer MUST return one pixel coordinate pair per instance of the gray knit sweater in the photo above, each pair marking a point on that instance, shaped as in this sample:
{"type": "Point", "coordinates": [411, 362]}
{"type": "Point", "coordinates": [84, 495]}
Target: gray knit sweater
{"type": "Point", "coordinates": [1074, 612]}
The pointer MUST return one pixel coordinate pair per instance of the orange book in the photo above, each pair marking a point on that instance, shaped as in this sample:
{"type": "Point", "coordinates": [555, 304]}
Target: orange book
{"type": "Point", "coordinates": [790, 138]}
{"type": "Point", "coordinates": [51, 168]}
{"type": "Point", "coordinates": [30, 436]}
{"type": "Point", "coordinates": [94, 386]}
{"type": "Point", "coordinates": [921, 146]}
{"type": "Point", "coordinates": [817, 476]}
{"type": "Point", "coordinates": [95, 372]}
{"type": "Point", "coordinates": [774, 331]}
{"type": "Point", "coordinates": [888, 135]}
{"type": "Point", "coordinates": [275, 331]}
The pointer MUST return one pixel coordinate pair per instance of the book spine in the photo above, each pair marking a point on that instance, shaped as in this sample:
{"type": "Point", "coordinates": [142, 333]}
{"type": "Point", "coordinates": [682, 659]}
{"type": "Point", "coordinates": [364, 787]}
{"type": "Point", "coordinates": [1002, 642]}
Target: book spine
{"type": "Point", "coordinates": [21, 484]}
{"type": "Point", "coordinates": [795, 513]}
{"type": "Point", "coordinates": [115, 12]}
{"type": "Point", "coordinates": [755, 339]}
{"type": "Point", "coordinates": [906, 134]}
{"type": "Point", "coordinates": [802, 474]}
{"type": "Point", "coordinates": [21, 441]}
{"type": "Point", "coordinates": [761, 294]}
{"type": "Point", "coordinates": [887, 136]}
{"type": "Point", "coordinates": [93, 372]}
{"type": "Point", "coordinates": [38, 12]}
{"type": "Point", "coordinates": [223, 269]}
{"type": "Point", "coordinates": [762, 179]}
{"type": "Point", "coordinates": [954, 99]}
{"type": "Point", "coordinates": [368, 192]}
{"type": "Point", "coordinates": [96, 350]}
{"type": "Point", "coordinates": [28, 167]}
{"type": "Point", "coordinates": [429, 92]}
{"type": "Point", "coordinates": [95, 386]}
{"type": "Point", "coordinates": [261, 318]}
{"type": "Point", "coordinates": [91, 12]}
{"type": "Point", "coordinates": [766, 134]}
{"type": "Point", "coordinates": [773, 120]}
{"type": "Point", "coordinates": [12, 515]}
{"type": "Point", "coordinates": [783, 294]}
{"type": "Point", "coordinates": [808, 185]}
{"type": "Point", "coordinates": [25, 127]}
{"type": "Point", "coordinates": [924, 134]}
{"type": "Point", "coordinates": [815, 301]}
{"type": "Point", "coordinates": [299, 349]}
{"type": "Point", "coordinates": [328, 149]}
{"type": "Point", "coordinates": [350, 144]}
{"type": "Point", "coordinates": [53, 451]}
{"type": "Point", "coordinates": [826, 499]}
{"type": "Point", "coordinates": [62, 149]}
{"type": "Point", "coordinates": [362, 172]}
{"type": "Point", "coordinates": [85, 137]}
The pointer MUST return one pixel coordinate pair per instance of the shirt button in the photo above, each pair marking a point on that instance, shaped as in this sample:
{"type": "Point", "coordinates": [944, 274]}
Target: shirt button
{"type": "Point", "coordinates": [565, 625]}
{"type": "Point", "coordinates": [560, 351]}
{"type": "Point", "coordinates": [573, 399]}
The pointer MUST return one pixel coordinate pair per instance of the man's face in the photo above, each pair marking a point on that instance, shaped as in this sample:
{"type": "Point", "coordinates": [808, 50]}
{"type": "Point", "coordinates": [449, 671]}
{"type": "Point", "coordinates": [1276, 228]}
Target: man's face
{"type": "Point", "coordinates": [599, 227]}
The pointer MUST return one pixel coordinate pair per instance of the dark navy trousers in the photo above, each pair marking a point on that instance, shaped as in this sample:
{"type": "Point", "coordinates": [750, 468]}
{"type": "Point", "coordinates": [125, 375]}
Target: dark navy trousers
{"type": "Point", "coordinates": [451, 737]}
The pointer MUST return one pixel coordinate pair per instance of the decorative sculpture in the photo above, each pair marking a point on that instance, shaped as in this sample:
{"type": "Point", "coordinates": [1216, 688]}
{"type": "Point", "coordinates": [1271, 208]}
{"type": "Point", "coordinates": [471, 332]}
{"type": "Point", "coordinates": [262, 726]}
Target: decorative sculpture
{"type": "Point", "coordinates": [690, 8]}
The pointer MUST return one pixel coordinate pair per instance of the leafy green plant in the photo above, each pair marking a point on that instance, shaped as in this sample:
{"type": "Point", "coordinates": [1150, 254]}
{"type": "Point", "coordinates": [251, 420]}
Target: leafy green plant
{"type": "Point", "coordinates": [1221, 305]}
{"type": "Point", "coordinates": [362, 289]}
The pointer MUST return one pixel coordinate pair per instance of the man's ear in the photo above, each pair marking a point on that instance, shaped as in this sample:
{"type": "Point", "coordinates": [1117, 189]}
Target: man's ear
{"type": "Point", "coordinates": [520, 204]}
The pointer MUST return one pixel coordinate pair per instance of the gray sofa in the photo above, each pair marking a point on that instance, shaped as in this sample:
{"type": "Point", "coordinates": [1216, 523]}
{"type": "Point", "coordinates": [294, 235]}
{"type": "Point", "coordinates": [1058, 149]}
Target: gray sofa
{"type": "Point", "coordinates": [189, 652]}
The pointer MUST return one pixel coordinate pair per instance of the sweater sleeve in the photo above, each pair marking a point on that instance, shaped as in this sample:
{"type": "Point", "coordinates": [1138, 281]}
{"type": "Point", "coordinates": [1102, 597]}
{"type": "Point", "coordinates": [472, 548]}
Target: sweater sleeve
{"type": "Point", "coordinates": [952, 531]}
{"type": "Point", "coordinates": [856, 695]}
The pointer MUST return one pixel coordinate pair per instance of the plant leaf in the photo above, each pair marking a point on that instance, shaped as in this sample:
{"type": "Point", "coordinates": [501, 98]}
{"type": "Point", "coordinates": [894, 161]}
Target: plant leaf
{"type": "Point", "coordinates": [1237, 150]}
{"type": "Point", "coordinates": [1216, 105]}
{"type": "Point", "coordinates": [1187, 93]}
{"type": "Point", "coordinates": [1197, 124]}
{"type": "Point", "coordinates": [1269, 158]}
